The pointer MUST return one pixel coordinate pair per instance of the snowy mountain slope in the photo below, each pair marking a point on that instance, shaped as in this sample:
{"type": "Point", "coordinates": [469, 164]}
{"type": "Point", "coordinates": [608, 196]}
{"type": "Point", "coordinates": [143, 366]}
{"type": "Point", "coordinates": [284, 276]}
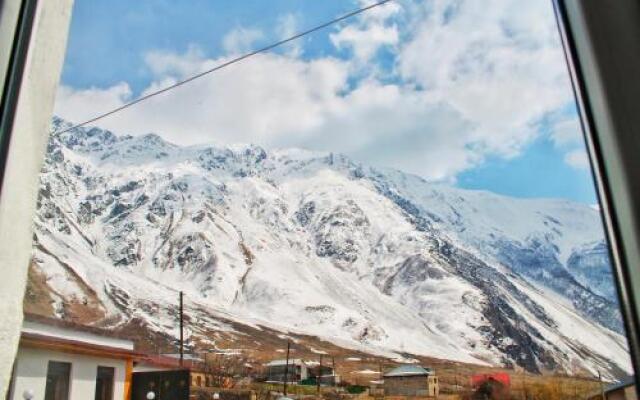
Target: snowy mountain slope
{"type": "Point", "coordinates": [318, 244]}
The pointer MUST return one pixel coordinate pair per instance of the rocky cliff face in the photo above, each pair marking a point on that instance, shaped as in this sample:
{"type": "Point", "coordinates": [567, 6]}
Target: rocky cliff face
{"type": "Point", "coordinates": [319, 244]}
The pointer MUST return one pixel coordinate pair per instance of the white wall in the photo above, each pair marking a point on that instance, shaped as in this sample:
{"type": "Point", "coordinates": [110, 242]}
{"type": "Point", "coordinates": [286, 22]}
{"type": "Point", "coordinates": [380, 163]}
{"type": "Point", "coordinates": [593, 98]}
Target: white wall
{"type": "Point", "coordinates": [26, 152]}
{"type": "Point", "coordinates": [74, 334]}
{"type": "Point", "coordinates": [31, 373]}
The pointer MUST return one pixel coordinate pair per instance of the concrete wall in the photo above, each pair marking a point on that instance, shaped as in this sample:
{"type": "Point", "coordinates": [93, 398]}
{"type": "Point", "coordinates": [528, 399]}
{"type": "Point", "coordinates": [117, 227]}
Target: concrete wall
{"type": "Point", "coordinates": [295, 373]}
{"type": "Point", "coordinates": [31, 373]}
{"type": "Point", "coordinates": [630, 393]}
{"type": "Point", "coordinates": [26, 153]}
{"type": "Point", "coordinates": [626, 393]}
{"type": "Point", "coordinates": [420, 386]}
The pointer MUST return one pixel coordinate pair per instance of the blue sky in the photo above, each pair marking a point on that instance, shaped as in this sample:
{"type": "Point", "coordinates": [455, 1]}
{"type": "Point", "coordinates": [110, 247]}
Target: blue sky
{"type": "Point", "coordinates": [108, 39]}
{"type": "Point", "coordinates": [458, 91]}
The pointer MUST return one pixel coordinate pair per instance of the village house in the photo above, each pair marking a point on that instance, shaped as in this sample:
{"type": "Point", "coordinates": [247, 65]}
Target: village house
{"type": "Point", "coordinates": [625, 389]}
{"type": "Point", "coordinates": [495, 385]}
{"type": "Point", "coordinates": [411, 381]}
{"type": "Point", "coordinates": [325, 374]}
{"type": "Point", "coordinates": [58, 360]}
{"type": "Point", "coordinates": [63, 360]}
{"type": "Point", "coordinates": [296, 370]}
{"type": "Point", "coordinates": [169, 366]}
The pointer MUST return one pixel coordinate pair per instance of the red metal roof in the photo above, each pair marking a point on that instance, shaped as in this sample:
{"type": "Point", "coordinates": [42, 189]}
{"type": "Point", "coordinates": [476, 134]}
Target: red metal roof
{"type": "Point", "coordinates": [502, 377]}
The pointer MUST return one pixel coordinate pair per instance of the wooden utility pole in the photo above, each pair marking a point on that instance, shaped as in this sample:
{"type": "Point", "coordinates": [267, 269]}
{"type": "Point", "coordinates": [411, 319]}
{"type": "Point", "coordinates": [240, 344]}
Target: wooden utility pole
{"type": "Point", "coordinates": [333, 367]}
{"type": "Point", "coordinates": [455, 376]}
{"type": "Point", "coordinates": [319, 376]}
{"type": "Point", "coordinates": [286, 370]}
{"type": "Point", "coordinates": [601, 385]}
{"type": "Point", "coordinates": [181, 331]}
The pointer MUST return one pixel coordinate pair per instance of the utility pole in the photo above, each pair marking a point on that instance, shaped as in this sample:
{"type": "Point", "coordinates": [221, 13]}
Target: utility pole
{"type": "Point", "coordinates": [455, 376]}
{"type": "Point", "coordinates": [286, 370]}
{"type": "Point", "coordinates": [601, 385]}
{"type": "Point", "coordinates": [333, 367]}
{"type": "Point", "coordinates": [181, 330]}
{"type": "Point", "coordinates": [319, 376]}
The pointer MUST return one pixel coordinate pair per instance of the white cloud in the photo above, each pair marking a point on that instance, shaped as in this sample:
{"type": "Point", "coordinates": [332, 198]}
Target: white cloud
{"type": "Point", "coordinates": [499, 63]}
{"type": "Point", "coordinates": [577, 159]}
{"type": "Point", "coordinates": [389, 125]}
{"type": "Point", "coordinates": [256, 101]}
{"type": "Point", "coordinates": [241, 40]}
{"type": "Point", "coordinates": [566, 134]}
{"type": "Point", "coordinates": [164, 64]}
{"type": "Point", "coordinates": [365, 42]}
{"type": "Point", "coordinates": [370, 32]}
{"type": "Point", "coordinates": [286, 27]}
{"type": "Point", "coordinates": [566, 131]}
{"type": "Point", "coordinates": [472, 80]}
{"type": "Point", "coordinates": [80, 105]}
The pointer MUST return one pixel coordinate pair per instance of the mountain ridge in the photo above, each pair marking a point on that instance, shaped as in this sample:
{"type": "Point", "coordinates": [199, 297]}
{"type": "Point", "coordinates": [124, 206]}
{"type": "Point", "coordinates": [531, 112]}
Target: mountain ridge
{"type": "Point", "coordinates": [328, 246]}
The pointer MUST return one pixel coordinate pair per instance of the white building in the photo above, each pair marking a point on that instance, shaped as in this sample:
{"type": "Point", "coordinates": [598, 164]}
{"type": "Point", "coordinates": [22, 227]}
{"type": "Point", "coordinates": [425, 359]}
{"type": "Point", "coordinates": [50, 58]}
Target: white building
{"type": "Point", "coordinates": [57, 360]}
{"type": "Point", "coordinates": [295, 370]}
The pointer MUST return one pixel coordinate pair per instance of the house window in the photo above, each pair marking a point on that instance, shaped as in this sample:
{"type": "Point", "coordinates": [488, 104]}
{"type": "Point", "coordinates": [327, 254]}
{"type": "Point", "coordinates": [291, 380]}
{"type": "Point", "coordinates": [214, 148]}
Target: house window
{"type": "Point", "coordinates": [104, 383]}
{"type": "Point", "coordinates": [57, 381]}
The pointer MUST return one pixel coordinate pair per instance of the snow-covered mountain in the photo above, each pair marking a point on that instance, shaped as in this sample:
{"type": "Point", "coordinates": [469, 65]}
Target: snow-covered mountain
{"type": "Point", "coordinates": [319, 244]}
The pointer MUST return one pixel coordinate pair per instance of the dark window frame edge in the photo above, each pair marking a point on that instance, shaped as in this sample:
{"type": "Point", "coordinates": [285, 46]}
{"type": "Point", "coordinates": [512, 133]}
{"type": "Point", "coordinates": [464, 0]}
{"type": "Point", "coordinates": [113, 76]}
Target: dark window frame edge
{"type": "Point", "coordinates": [611, 222]}
{"type": "Point", "coordinates": [14, 78]}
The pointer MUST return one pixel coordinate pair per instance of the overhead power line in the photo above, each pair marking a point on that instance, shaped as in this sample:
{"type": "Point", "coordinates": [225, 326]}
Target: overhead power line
{"type": "Point", "coordinates": [227, 63]}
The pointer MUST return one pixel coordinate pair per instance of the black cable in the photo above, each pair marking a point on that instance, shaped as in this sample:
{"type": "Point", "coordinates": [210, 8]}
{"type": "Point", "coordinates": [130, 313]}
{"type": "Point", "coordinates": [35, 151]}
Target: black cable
{"type": "Point", "coordinates": [226, 64]}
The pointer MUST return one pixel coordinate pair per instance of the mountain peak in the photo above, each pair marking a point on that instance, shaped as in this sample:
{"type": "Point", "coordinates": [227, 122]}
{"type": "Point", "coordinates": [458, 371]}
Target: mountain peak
{"type": "Point", "coordinates": [325, 246]}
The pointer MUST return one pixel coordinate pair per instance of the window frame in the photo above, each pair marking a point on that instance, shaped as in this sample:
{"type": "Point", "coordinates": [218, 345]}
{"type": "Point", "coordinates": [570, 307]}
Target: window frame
{"type": "Point", "coordinates": [69, 374]}
{"type": "Point", "coordinates": [586, 27]}
{"type": "Point", "coordinates": [112, 373]}
{"type": "Point", "coordinates": [601, 49]}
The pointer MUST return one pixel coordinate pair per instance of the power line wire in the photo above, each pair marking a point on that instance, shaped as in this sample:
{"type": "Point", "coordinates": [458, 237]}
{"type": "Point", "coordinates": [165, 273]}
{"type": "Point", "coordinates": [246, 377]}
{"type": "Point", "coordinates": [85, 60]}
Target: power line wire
{"type": "Point", "coordinates": [228, 63]}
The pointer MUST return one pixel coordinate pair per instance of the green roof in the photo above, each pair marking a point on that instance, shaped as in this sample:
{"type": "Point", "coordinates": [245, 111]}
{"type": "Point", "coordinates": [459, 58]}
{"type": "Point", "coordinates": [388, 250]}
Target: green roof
{"type": "Point", "coordinates": [409, 370]}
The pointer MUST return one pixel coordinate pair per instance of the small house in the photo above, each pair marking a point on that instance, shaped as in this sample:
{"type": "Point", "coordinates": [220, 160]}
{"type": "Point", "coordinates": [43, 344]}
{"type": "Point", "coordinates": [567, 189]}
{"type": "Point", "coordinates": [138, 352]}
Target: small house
{"type": "Point", "coordinates": [322, 373]}
{"type": "Point", "coordinates": [376, 388]}
{"type": "Point", "coordinates": [295, 370]}
{"type": "Point", "coordinates": [491, 386]}
{"type": "Point", "coordinates": [412, 381]}
{"type": "Point", "coordinates": [160, 369]}
{"type": "Point", "coordinates": [59, 360]}
{"type": "Point", "coordinates": [625, 389]}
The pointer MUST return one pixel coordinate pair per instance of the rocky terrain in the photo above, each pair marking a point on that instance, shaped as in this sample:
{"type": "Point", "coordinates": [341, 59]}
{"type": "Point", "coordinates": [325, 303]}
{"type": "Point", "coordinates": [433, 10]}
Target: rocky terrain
{"type": "Point", "coordinates": [290, 241]}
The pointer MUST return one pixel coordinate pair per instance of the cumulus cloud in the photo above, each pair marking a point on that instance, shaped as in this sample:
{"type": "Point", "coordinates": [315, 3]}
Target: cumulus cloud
{"type": "Point", "coordinates": [286, 27]}
{"type": "Point", "coordinates": [578, 159]}
{"type": "Point", "coordinates": [256, 101]}
{"type": "Point", "coordinates": [471, 80]}
{"type": "Point", "coordinates": [241, 40]}
{"type": "Point", "coordinates": [499, 63]}
{"type": "Point", "coordinates": [566, 131]}
{"type": "Point", "coordinates": [372, 31]}
{"type": "Point", "coordinates": [81, 104]}
{"type": "Point", "coordinates": [566, 134]}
